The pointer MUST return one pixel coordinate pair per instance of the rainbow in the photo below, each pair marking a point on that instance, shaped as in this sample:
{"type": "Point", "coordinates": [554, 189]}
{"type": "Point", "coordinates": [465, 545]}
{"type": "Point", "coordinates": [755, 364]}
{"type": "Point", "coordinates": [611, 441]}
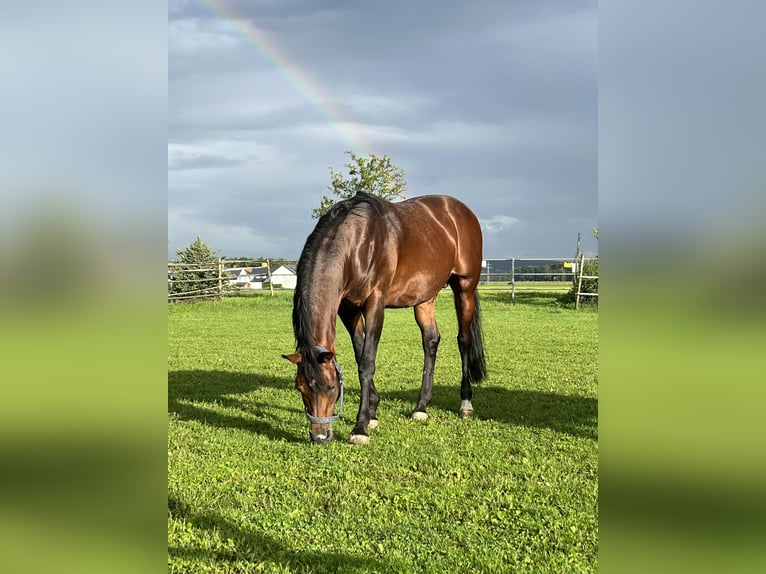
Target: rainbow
{"type": "Point", "coordinates": [311, 90]}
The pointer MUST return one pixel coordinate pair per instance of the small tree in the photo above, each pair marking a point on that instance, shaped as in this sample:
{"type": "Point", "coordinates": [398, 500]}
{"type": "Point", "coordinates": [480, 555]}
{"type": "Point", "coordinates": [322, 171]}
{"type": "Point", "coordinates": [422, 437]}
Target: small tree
{"type": "Point", "coordinates": [375, 175]}
{"type": "Point", "coordinates": [195, 270]}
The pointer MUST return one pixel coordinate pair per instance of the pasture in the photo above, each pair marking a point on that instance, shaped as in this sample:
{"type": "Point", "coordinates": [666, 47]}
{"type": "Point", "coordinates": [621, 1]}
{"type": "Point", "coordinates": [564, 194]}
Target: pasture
{"type": "Point", "coordinates": [513, 490]}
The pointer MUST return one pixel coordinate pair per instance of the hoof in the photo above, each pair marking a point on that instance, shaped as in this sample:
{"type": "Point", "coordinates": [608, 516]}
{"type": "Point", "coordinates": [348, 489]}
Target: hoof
{"type": "Point", "coordinates": [358, 439]}
{"type": "Point", "coordinates": [419, 416]}
{"type": "Point", "coordinates": [373, 424]}
{"type": "Point", "coordinates": [466, 410]}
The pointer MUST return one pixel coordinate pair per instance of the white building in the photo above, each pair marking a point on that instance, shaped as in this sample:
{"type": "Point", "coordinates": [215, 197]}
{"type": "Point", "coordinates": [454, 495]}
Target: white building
{"type": "Point", "coordinates": [248, 277]}
{"type": "Point", "coordinates": [284, 276]}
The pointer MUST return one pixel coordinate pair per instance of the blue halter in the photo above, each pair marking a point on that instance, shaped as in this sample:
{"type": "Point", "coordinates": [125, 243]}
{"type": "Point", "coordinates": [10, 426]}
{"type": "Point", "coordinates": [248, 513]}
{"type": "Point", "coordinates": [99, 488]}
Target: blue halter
{"type": "Point", "coordinates": [335, 417]}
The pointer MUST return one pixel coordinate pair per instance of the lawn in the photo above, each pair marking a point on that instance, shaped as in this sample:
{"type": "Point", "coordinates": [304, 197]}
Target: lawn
{"type": "Point", "coordinates": [513, 490]}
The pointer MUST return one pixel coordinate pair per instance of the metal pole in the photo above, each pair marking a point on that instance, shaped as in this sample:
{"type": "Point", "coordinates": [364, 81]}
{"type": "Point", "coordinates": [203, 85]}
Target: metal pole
{"type": "Point", "coordinates": [513, 280]}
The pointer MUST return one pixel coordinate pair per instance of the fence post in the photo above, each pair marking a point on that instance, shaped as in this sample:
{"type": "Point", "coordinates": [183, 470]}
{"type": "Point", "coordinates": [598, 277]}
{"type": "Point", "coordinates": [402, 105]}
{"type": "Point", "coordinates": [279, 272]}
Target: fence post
{"type": "Point", "coordinates": [579, 280]}
{"type": "Point", "coordinates": [220, 279]}
{"type": "Point", "coordinates": [513, 280]}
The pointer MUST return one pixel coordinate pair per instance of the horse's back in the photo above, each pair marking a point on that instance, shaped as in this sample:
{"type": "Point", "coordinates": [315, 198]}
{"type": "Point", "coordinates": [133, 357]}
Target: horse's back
{"type": "Point", "coordinates": [437, 236]}
{"type": "Point", "coordinates": [442, 227]}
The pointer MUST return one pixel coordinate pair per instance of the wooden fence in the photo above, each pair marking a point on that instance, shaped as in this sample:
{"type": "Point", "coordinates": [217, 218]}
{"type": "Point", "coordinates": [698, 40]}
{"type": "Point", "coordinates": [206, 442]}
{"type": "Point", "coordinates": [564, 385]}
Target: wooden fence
{"type": "Point", "coordinates": [213, 279]}
{"type": "Point", "coordinates": [592, 280]}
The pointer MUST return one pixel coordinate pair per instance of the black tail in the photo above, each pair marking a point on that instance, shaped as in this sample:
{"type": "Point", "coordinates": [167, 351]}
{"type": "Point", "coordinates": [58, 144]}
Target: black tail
{"type": "Point", "coordinates": [477, 365]}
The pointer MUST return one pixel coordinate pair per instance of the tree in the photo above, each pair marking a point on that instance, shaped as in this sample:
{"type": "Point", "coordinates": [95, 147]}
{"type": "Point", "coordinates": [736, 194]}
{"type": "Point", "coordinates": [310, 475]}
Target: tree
{"type": "Point", "coordinates": [195, 270]}
{"type": "Point", "coordinates": [375, 175]}
{"type": "Point", "coordinates": [197, 252]}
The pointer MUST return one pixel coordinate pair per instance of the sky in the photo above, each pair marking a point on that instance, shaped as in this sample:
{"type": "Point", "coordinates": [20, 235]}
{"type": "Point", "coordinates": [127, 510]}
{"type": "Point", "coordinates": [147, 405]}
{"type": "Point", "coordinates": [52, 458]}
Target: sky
{"type": "Point", "coordinates": [493, 102]}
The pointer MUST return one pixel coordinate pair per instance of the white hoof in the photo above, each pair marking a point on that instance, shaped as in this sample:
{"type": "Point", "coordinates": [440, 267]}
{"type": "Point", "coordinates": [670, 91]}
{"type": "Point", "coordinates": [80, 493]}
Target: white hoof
{"type": "Point", "coordinates": [419, 416]}
{"type": "Point", "coordinates": [466, 410]}
{"type": "Point", "coordinates": [373, 424]}
{"type": "Point", "coordinates": [358, 439]}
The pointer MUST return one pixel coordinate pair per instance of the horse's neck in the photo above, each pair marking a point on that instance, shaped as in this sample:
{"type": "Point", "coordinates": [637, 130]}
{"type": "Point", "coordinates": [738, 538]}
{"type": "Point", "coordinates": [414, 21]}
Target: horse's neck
{"type": "Point", "coordinates": [324, 300]}
{"type": "Point", "coordinates": [325, 288]}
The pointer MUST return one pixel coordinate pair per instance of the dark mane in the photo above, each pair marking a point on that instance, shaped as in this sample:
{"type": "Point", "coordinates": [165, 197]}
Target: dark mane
{"type": "Point", "coordinates": [304, 339]}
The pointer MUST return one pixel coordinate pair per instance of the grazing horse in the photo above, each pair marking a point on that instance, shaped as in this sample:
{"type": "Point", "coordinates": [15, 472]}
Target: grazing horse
{"type": "Point", "coordinates": [367, 254]}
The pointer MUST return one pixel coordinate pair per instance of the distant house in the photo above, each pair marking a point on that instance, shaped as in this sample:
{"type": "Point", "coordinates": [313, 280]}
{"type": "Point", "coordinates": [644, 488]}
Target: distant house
{"type": "Point", "coordinates": [248, 277]}
{"type": "Point", "coordinates": [285, 276]}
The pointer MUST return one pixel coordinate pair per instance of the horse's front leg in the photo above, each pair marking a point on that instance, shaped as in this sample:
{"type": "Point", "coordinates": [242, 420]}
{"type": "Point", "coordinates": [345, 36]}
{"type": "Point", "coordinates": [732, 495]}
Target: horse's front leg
{"type": "Point", "coordinates": [368, 398]}
{"type": "Point", "coordinates": [353, 320]}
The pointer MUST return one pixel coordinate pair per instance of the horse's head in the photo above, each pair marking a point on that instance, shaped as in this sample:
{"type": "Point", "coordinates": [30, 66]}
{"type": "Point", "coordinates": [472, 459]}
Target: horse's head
{"type": "Point", "coordinates": [320, 390]}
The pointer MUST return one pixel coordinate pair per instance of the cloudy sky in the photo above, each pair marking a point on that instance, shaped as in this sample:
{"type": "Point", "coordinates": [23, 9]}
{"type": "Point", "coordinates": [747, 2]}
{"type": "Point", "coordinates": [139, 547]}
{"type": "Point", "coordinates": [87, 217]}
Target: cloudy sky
{"type": "Point", "coordinates": [493, 102]}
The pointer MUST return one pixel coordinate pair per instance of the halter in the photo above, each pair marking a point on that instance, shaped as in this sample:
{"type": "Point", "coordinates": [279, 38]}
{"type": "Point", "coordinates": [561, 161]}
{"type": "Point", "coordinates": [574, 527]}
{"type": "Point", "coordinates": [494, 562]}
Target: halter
{"type": "Point", "coordinates": [335, 417]}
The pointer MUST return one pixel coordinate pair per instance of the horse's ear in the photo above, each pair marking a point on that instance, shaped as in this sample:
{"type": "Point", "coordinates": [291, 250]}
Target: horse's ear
{"type": "Point", "coordinates": [295, 358]}
{"type": "Point", "coordinates": [325, 357]}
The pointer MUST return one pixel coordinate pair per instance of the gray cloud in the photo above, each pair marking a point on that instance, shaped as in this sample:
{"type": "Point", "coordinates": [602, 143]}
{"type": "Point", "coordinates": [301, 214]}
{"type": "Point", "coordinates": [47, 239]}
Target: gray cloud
{"type": "Point", "coordinates": [498, 223]}
{"type": "Point", "coordinates": [493, 102]}
{"type": "Point", "coordinates": [180, 160]}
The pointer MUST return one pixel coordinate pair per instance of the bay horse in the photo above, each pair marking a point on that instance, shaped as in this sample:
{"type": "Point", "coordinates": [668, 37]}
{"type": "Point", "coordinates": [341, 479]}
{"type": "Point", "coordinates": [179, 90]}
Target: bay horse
{"type": "Point", "coordinates": [364, 255]}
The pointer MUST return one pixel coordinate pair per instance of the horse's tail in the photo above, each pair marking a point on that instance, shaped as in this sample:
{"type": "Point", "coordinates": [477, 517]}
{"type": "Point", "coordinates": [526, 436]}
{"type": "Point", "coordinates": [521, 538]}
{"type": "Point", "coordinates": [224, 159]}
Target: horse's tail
{"type": "Point", "coordinates": [477, 365]}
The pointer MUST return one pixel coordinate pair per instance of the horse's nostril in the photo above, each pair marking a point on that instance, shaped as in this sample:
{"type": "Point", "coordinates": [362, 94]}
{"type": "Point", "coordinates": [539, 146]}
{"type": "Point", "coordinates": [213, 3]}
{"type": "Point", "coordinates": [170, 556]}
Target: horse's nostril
{"type": "Point", "coordinates": [324, 437]}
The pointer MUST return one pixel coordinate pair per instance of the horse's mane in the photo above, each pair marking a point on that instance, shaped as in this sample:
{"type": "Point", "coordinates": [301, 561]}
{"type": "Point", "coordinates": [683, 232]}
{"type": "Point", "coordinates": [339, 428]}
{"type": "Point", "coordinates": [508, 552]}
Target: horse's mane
{"type": "Point", "coordinates": [360, 204]}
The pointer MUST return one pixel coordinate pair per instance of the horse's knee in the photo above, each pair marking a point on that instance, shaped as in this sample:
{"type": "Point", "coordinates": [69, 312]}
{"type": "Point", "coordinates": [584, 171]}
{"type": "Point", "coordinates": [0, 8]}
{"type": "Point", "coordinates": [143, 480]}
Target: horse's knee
{"type": "Point", "coordinates": [431, 342]}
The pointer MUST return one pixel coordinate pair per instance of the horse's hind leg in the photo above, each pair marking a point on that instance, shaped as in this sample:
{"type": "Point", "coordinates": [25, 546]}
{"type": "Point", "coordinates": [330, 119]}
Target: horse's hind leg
{"type": "Point", "coordinates": [469, 341]}
{"type": "Point", "coordinates": [425, 316]}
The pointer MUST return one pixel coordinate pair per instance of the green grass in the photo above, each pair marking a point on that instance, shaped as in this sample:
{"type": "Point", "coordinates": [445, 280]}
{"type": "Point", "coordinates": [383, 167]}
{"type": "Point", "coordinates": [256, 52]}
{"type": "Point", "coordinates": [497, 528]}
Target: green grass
{"type": "Point", "coordinates": [515, 489]}
{"type": "Point", "coordinates": [557, 286]}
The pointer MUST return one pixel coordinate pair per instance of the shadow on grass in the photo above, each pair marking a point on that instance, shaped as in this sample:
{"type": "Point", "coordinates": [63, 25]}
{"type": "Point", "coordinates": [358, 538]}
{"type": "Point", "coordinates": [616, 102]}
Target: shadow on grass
{"type": "Point", "coordinates": [571, 414]}
{"type": "Point", "coordinates": [246, 545]}
{"type": "Point", "coordinates": [187, 390]}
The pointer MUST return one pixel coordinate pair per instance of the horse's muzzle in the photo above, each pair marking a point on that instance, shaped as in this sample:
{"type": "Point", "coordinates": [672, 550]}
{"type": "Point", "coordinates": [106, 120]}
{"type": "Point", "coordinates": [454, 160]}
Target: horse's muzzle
{"type": "Point", "coordinates": [323, 436]}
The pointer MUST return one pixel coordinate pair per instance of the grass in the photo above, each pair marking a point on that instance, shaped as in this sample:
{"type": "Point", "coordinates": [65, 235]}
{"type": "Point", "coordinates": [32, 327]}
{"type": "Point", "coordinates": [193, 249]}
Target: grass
{"type": "Point", "coordinates": [514, 489]}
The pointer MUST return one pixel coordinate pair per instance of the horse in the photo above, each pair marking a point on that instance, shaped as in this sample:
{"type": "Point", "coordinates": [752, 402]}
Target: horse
{"type": "Point", "coordinates": [367, 254]}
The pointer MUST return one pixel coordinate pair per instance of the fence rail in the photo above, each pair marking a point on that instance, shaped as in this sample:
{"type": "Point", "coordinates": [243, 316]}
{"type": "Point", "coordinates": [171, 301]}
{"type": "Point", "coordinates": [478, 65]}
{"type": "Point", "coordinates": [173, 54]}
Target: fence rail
{"type": "Point", "coordinates": [217, 279]}
{"type": "Point", "coordinates": [523, 274]}
{"type": "Point", "coordinates": [587, 293]}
